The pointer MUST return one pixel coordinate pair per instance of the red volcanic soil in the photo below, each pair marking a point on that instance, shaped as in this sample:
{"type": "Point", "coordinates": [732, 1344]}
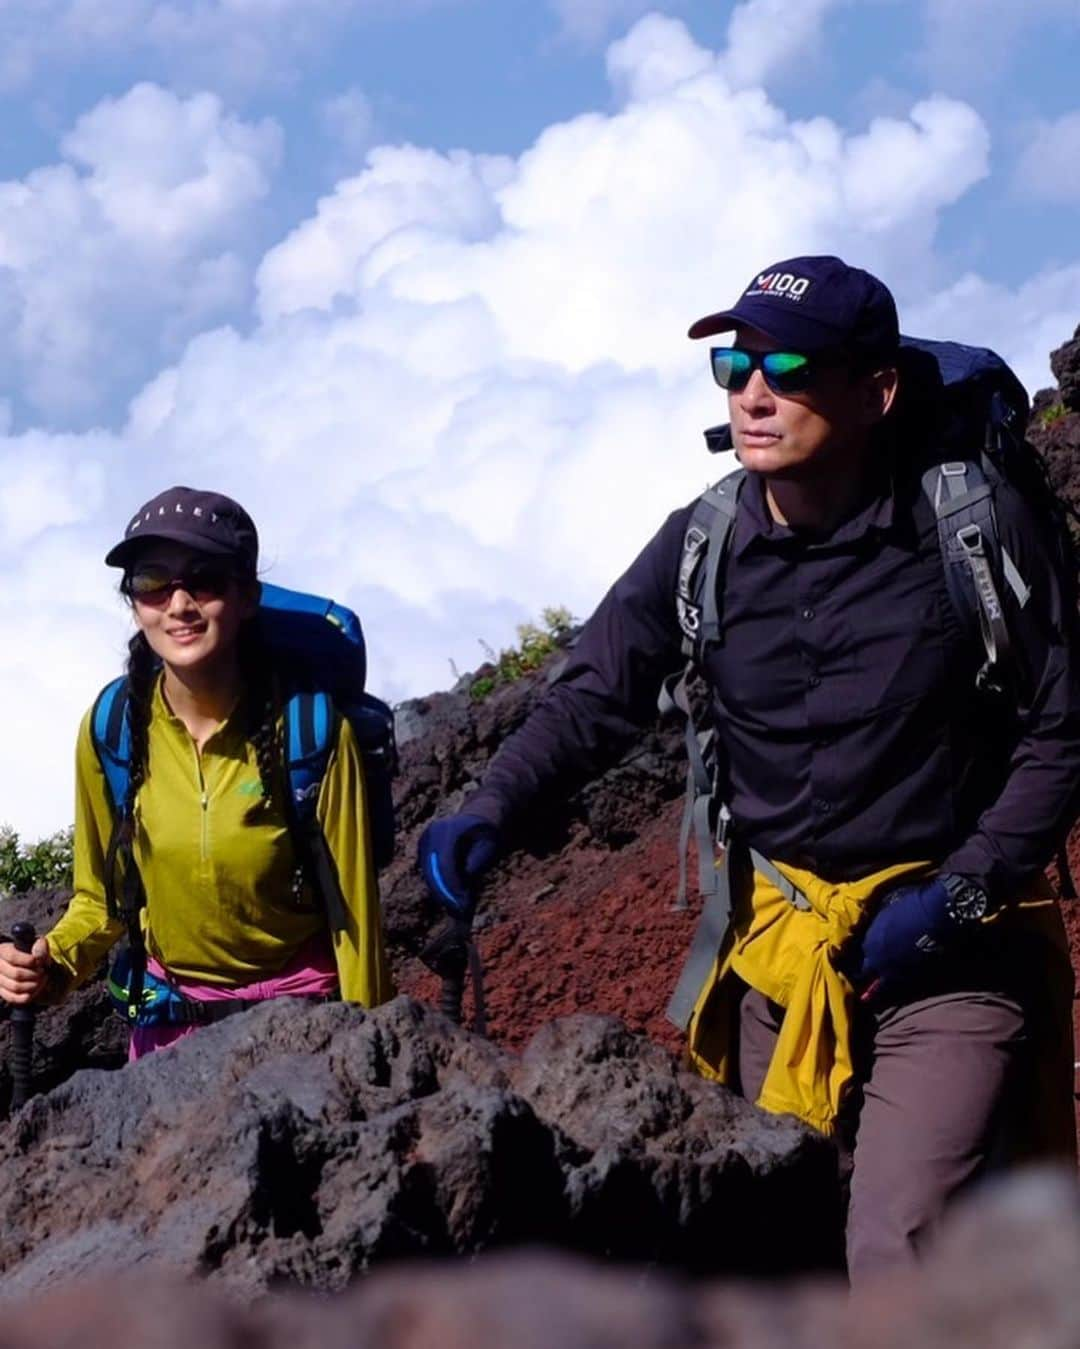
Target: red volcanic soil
{"type": "Point", "coordinates": [591, 930]}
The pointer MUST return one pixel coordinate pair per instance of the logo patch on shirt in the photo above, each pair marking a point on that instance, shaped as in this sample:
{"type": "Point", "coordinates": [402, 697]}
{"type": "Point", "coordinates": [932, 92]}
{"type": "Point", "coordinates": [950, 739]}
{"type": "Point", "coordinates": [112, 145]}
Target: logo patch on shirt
{"type": "Point", "coordinates": [253, 788]}
{"type": "Point", "coordinates": [782, 285]}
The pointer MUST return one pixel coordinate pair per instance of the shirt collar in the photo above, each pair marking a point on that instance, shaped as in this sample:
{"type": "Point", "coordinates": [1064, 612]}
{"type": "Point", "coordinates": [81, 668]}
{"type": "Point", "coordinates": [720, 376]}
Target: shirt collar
{"type": "Point", "coordinates": [755, 526]}
{"type": "Point", "coordinates": [161, 711]}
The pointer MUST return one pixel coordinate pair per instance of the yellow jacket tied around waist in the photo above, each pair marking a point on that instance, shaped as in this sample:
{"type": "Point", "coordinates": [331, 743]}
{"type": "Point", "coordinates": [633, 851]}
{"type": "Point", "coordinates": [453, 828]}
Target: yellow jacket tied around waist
{"type": "Point", "coordinates": [788, 954]}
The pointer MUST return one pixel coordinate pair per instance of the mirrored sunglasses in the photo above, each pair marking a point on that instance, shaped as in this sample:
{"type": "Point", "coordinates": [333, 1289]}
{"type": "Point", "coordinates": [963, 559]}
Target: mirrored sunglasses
{"type": "Point", "coordinates": [151, 583]}
{"type": "Point", "coordinates": [783, 371]}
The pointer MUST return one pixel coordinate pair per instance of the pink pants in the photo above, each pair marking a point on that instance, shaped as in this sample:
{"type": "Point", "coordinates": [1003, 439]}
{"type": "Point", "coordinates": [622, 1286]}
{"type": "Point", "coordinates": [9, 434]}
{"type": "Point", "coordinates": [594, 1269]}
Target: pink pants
{"type": "Point", "coordinates": [311, 972]}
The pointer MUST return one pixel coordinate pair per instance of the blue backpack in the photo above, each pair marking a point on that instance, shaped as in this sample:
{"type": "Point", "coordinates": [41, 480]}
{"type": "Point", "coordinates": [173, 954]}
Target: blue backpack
{"type": "Point", "coordinates": [968, 412]}
{"type": "Point", "coordinates": [318, 652]}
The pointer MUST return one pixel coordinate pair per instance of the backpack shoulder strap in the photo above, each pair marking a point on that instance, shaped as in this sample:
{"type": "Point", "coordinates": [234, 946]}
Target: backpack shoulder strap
{"type": "Point", "coordinates": [697, 600]}
{"type": "Point", "coordinates": [311, 728]}
{"type": "Point", "coordinates": [111, 735]}
{"type": "Point", "coordinates": [975, 560]}
{"type": "Point", "coordinates": [697, 604]}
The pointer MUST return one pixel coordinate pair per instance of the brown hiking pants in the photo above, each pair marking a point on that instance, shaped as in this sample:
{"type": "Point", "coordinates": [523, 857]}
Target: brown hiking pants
{"type": "Point", "coordinates": [937, 1077]}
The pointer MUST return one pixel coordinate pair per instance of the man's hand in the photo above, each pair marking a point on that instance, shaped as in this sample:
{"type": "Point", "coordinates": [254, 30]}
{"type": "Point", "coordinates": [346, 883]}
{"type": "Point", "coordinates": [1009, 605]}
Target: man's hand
{"type": "Point", "coordinates": [453, 855]}
{"type": "Point", "coordinates": [910, 930]}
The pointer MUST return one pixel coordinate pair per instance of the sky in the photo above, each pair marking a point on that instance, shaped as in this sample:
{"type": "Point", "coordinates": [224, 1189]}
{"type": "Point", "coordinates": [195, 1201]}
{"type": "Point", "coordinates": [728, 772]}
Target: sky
{"type": "Point", "coordinates": [411, 279]}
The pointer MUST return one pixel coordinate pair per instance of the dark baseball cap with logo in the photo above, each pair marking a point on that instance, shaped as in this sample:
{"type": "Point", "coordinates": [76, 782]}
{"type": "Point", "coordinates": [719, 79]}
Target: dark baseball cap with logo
{"type": "Point", "coordinates": [814, 304]}
{"type": "Point", "coordinates": [207, 521]}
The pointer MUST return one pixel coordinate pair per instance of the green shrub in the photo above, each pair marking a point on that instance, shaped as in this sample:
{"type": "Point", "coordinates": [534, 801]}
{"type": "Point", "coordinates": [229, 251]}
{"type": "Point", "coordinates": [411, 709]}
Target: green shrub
{"type": "Point", "coordinates": [1054, 413]}
{"type": "Point", "coordinates": [45, 865]}
{"type": "Point", "coordinates": [534, 646]}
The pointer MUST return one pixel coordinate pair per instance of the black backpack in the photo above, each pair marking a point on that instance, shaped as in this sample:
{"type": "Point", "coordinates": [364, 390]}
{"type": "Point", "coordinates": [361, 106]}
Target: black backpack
{"type": "Point", "coordinates": [962, 401]}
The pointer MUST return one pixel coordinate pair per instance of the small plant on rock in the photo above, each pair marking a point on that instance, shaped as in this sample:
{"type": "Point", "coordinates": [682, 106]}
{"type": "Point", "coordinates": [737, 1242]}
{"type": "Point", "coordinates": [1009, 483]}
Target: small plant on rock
{"type": "Point", "coordinates": [1056, 412]}
{"type": "Point", "coordinates": [535, 644]}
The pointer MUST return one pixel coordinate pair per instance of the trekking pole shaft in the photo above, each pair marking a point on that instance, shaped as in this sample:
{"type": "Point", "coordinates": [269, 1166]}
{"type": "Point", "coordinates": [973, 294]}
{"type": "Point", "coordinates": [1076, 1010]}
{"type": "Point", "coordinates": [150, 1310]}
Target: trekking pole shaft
{"type": "Point", "coordinates": [22, 1027]}
{"type": "Point", "coordinates": [453, 995]}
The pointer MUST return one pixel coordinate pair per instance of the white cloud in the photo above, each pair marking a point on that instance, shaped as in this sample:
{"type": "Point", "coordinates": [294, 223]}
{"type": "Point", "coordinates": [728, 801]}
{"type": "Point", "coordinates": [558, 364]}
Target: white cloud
{"type": "Point", "coordinates": [240, 45]}
{"type": "Point", "coordinates": [970, 44]}
{"type": "Point", "coordinates": [1049, 167]}
{"type": "Point", "coordinates": [111, 258]}
{"type": "Point", "coordinates": [768, 38]}
{"type": "Point", "coordinates": [590, 21]}
{"type": "Point", "coordinates": [468, 393]}
{"type": "Point", "coordinates": [349, 120]}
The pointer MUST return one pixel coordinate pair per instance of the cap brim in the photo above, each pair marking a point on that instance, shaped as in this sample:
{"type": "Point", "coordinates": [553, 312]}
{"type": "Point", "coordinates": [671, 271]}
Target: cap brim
{"type": "Point", "coordinates": [787, 327]}
{"type": "Point", "coordinates": [712, 324]}
{"type": "Point", "coordinates": [726, 322]}
{"type": "Point", "coordinates": [123, 551]}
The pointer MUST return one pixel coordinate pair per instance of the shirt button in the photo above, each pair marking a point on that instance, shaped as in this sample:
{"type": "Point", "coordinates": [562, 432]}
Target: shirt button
{"type": "Point", "coordinates": [814, 680]}
{"type": "Point", "coordinates": [823, 807]}
{"type": "Point", "coordinates": [808, 614]}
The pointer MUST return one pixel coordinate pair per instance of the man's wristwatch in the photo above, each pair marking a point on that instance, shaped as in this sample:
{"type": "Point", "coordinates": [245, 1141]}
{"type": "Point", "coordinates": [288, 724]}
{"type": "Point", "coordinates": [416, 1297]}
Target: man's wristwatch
{"type": "Point", "coordinates": [967, 901]}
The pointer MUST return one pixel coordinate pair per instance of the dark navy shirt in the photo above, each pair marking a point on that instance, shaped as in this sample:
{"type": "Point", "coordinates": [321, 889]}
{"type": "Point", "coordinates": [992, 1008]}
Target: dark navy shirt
{"type": "Point", "coordinates": [852, 735]}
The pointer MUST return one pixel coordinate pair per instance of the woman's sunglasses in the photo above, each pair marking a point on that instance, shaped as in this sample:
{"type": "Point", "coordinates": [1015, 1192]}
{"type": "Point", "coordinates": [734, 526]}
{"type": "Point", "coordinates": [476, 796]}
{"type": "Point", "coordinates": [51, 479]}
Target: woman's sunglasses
{"type": "Point", "coordinates": [784, 371]}
{"type": "Point", "coordinates": [152, 583]}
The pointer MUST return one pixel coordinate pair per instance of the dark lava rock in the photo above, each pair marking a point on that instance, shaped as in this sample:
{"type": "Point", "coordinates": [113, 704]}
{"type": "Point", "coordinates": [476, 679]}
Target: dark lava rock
{"type": "Point", "coordinates": [1003, 1275]}
{"type": "Point", "coordinates": [1054, 428]}
{"type": "Point", "coordinates": [298, 1143]}
{"type": "Point", "coordinates": [82, 1032]}
{"type": "Point", "coordinates": [1065, 363]}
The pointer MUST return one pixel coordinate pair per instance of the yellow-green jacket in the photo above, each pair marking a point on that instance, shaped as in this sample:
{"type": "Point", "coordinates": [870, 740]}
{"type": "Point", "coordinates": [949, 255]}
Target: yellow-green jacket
{"type": "Point", "coordinates": [218, 876]}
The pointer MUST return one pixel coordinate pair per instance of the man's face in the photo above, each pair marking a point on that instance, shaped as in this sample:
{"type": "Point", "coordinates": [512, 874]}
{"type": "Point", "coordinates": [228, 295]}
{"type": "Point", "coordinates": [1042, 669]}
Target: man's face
{"type": "Point", "coordinates": [790, 435]}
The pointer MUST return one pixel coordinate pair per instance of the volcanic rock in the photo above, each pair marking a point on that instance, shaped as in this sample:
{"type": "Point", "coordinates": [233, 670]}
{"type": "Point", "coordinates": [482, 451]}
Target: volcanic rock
{"type": "Point", "coordinates": [1065, 363]}
{"type": "Point", "coordinates": [81, 1032]}
{"type": "Point", "coordinates": [1002, 1275]}
{"type": "Point", "coordinates": [301, 1143]}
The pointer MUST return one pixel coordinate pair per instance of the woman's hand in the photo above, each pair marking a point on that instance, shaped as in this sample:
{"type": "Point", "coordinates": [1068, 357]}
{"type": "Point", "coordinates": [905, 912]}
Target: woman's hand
{"type": "Point", "coordinates": [22, 975]}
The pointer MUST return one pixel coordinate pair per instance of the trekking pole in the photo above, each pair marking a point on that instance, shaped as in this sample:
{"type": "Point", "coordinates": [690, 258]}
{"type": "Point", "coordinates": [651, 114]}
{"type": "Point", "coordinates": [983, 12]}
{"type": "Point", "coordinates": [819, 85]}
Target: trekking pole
{"type": "Point", "coordinates": [22, 1027]}
{"type": "Point", "coordinates": [452, 955]}
{"type": "Point", "coordinates": [455, 967]}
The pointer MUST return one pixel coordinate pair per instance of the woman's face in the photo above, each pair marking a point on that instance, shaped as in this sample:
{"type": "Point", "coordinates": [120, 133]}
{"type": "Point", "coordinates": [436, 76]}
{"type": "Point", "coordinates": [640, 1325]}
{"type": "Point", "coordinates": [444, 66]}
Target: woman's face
{"type": "Point", "coordinates": [192, 621]}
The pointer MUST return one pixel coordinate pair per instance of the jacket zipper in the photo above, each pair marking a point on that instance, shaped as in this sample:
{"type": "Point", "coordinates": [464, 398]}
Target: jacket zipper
{"type": "Point", "coordinates": [204, 803]}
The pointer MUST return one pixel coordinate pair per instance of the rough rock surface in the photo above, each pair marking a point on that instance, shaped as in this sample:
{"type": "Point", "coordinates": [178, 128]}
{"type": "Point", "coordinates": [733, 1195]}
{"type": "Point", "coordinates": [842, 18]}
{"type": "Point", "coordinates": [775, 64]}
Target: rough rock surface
{"type": "Point", "coordinates": [81, 1032]}
{"type": "Point", "coordinates": [975, 1292]}
{"type": "Point", "coordinates": [1055, 423]}
{"type": "Point", "coordinates": [1065, 363]}
{"type": "Point", "coordinates": [301, 1143]}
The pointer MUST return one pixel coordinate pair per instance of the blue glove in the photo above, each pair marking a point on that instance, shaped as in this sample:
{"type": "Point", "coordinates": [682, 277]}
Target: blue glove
{"type": "Point", "coordinates": [912, 927]}
{"type": "Point", "coordinates": [452, 856]}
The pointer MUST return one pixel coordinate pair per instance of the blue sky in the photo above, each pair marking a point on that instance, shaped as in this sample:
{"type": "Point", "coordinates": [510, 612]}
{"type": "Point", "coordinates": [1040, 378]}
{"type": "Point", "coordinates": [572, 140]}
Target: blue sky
{"type": "Point", "coordinates": [411, 279]}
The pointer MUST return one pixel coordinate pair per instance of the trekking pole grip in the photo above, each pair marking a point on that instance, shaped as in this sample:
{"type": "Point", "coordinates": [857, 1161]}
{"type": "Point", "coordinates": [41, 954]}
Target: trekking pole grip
{"type": "Point", "coordinates": [23, 935]}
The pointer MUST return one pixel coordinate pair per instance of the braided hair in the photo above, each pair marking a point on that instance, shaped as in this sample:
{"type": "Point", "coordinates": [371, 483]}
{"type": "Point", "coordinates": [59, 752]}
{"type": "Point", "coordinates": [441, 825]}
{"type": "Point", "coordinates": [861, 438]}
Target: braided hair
{"type": "Point", "coordinates": [141, 672]}
{"type": "Point", "coordinates": [260, 715]}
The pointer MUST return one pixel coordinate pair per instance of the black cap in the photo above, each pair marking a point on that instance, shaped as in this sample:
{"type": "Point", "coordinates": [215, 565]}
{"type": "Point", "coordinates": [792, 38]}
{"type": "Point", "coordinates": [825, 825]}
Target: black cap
{"type": "Point", "coordinates": [208, 521]}
{"type": "Point", "coordinates": [814, 304]}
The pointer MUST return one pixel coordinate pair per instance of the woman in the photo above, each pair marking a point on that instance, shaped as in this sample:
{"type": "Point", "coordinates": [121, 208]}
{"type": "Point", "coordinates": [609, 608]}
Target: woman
{"type": "Point", "coordinates": [228, 916]}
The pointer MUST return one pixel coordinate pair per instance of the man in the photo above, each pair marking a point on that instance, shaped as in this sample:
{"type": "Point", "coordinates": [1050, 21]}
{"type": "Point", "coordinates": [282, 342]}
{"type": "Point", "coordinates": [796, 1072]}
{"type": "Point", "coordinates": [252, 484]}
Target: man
{"type": "Point", "coordinates": [881, 973]}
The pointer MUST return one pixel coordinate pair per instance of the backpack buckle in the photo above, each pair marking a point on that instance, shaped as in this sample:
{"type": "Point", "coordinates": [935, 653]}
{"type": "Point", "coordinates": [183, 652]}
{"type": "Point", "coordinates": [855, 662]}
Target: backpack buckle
{"type": "Point", "coordinates": [954, 469]}
{"type": "Point", "coordinates": [971, 540]}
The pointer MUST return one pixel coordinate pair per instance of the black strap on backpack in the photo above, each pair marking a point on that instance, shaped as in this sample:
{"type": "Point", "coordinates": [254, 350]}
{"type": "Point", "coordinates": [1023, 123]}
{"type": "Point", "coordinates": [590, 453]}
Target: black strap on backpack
{"type": "Point", "coordinates": [697, 603]}
{"type": "Point", "coordinates": [111, 734]}
{"type": "Point", "coordinates": [312, 725]}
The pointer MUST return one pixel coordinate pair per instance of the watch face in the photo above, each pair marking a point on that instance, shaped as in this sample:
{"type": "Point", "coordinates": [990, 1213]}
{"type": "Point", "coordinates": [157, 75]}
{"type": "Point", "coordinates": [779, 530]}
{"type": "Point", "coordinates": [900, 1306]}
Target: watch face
{"type": "Point", "coordinates": [968, 901]}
